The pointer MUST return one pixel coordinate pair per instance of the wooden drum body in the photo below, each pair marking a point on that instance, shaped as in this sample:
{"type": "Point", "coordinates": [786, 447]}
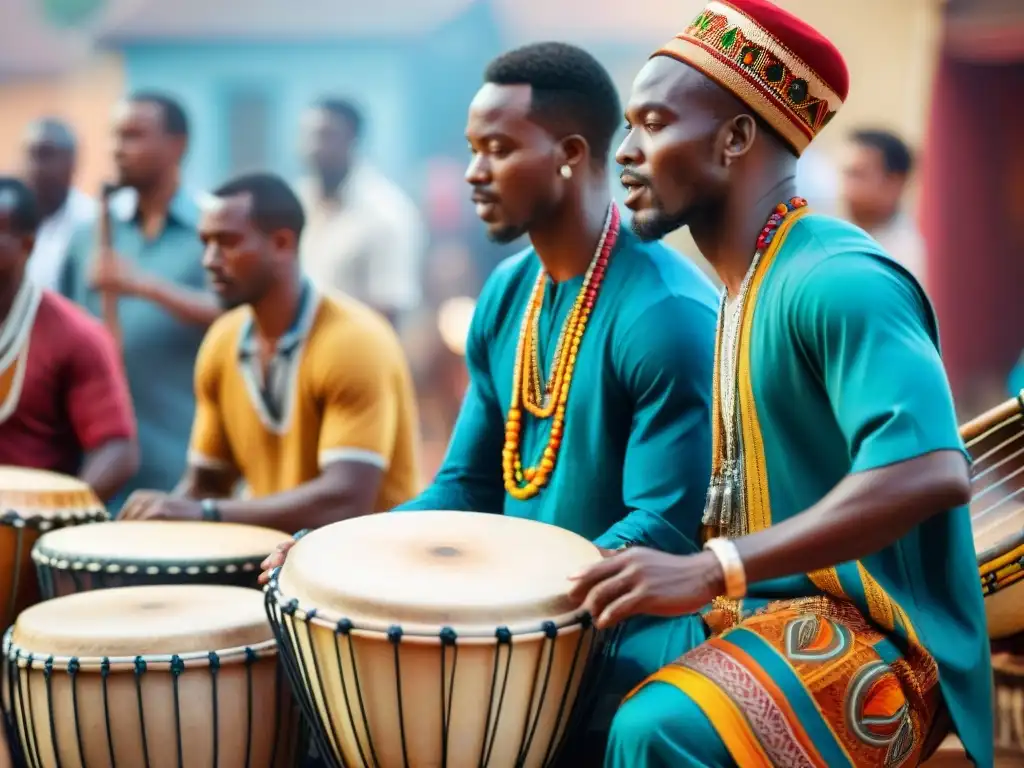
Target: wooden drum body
{"type": "Point", "coordinates": [161, 676]}
{"type": "Point", "coordinates": [437, 639]}
{"type": "Point", "coordinates": [999, 540]}
{"type": "Point", "coordinates": [33, 502]}
{"type": "Point", "coordinates": [995, 441]}
{"type": "Point", "coordinates": [136, 553]}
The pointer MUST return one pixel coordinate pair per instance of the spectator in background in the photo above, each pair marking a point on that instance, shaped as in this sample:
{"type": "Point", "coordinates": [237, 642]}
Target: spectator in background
{"type": "Point", "coordinates": [50, 150]}
{"type": "Point", "coordinates": [157, 273]}
{"type": "Point", "coordinates": [364, 236]}
{"type": "Point", "coordinates": [64, 403]}
{"type": "Point", "coordinates": [817, 179]}
{"type": "Point", "coordinates": [875, 179]}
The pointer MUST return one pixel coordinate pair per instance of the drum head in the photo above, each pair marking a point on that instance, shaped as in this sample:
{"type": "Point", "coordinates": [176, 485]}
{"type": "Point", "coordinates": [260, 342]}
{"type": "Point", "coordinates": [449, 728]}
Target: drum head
{"type": "Point", "coordinates": [159, 543]}
{"type": "Point", "coordinates": [37, 493]}
{"type": "Point", "coordinates": [130, 621]}
{"type": "Point", "coordinates": [426, 570]}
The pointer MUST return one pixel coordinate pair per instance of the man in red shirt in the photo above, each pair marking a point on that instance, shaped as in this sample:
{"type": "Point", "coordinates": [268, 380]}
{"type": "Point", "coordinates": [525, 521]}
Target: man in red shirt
{"type": "Point", "coordinates": [64, 402]}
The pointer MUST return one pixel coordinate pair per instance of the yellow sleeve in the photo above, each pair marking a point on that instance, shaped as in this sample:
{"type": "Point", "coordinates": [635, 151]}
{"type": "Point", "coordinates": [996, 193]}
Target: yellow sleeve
{"type": "Point", "coordinates": [209, 447]}
{"type": "Point", "coordinates": [360, 399]}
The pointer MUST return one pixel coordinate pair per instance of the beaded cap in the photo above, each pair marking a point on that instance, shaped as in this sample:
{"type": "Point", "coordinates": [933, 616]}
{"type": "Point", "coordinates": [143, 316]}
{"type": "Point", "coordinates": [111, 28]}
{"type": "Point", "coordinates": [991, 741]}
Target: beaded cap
{"type": "Point", "coordinates": [779, 66]}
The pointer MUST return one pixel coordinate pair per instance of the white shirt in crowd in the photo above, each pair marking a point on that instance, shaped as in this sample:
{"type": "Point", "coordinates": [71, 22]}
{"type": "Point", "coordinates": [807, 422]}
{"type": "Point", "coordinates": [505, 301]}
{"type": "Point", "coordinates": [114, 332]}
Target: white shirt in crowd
{"type": "Point", "coordinates": [367, 243]}
{"type": "Point", "coordinates": [47, 259]}
{"type": "Point", "coordinates": [901, 239]}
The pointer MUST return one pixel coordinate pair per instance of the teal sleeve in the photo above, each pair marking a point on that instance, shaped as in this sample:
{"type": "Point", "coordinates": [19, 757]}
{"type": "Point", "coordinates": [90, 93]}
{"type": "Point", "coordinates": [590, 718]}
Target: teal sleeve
{"type": "Point", "coordinates": [470, 476]}
{"type": "Point", "coordinates": [71, 282]}
{"type": "Point", "coordinates": [867, 327]}
{"type": "Point", "coordinates": [667, 362]}
{"type": "Point", "coordinates": [1016, 381]}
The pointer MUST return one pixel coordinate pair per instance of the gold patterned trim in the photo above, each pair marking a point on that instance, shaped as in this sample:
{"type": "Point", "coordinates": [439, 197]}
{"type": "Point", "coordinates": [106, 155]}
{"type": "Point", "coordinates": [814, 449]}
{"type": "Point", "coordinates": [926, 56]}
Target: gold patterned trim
{"type": "Point", "coordinates": [729, 78]}
{"type": "Point", "coordinates": [755, 466]}
{"type": "Point", "coordinates": [882, 608]}
{"type": "Point", "coordinates": [827, 580]}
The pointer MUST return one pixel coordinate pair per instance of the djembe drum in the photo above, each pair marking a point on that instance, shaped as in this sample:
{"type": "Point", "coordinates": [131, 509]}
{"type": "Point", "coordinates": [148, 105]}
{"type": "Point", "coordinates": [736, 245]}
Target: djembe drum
{"type": "Point", "coordinates": [147, 552]}
{"type": "Point", "coordinates": [437, 639]}
{"type": "Point", "coordinates": [995, 440]}
{"type": "Point", "coordinates": [159, 676]}
{"type": "Point", "coordinates": [32, 502]}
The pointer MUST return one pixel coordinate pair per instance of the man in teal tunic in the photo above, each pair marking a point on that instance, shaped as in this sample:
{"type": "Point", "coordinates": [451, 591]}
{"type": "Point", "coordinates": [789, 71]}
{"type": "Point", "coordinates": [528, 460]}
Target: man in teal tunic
{"type": "Point", "coordinates": [156, 274]}
{"type": "Point", "coordinates": [847, 625]}
{"type": "Point", "coordinates": [629, 450]}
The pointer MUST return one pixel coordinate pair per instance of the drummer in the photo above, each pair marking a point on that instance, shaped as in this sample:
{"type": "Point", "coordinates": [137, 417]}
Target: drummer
{"type": "Point", "coordinates": [853, 537]}
{"type": "Point", "coordinates": [306, 398]}
{"type": "Point", "coordinates": [64, 402]}
{"type": "Point", "coordinates": [626, 460]}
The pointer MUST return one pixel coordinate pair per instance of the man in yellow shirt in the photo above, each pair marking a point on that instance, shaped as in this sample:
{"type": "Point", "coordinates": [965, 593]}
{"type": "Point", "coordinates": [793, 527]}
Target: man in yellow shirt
{"type": "Point", "coordinates": [307, 398]}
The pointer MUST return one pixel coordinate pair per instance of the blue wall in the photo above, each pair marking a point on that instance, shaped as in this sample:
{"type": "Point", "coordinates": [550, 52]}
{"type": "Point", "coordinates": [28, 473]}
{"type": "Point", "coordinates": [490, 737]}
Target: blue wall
{"type": "Point", "coordinates": [202, 75]}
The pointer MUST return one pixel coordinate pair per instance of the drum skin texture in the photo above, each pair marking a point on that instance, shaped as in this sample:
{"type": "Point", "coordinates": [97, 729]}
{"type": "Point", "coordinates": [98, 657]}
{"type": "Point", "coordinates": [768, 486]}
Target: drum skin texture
{"type": "Point", "coordinates": [436, 638]}
{"type": "Point", "coordinates": [160, 676]}
{"type": "Point", "coordinates": [149, 552]}
{"type": "Point", "coordinates": [33, 501]}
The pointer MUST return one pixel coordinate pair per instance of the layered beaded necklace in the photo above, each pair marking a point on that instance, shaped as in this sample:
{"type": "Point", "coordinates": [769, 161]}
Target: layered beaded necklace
{"type": "Point", "coordinates": [724, 505]}
{"type": "Point", "coordinates": [548, 400]}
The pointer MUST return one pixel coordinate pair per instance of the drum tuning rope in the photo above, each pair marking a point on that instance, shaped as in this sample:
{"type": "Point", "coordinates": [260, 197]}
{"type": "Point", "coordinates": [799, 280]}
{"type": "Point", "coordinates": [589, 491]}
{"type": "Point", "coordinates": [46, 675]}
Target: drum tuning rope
{"type": "Point", "coordinates": [40, 744]}
{"type": "Point", "coordinates": [324, 681]}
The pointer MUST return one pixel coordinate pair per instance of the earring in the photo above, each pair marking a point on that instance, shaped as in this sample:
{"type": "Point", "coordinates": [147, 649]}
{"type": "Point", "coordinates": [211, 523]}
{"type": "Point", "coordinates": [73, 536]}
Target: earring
{"type": "Point", "coordinates": [565, 171]}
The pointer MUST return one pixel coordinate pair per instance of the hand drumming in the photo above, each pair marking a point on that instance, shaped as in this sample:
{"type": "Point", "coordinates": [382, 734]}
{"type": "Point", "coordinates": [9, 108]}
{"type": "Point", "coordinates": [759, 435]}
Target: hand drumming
{"type": "Point", "coordinates": [639, 581]}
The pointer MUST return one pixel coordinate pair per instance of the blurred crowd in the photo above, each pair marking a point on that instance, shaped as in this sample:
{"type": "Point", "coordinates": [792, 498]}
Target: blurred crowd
{"type": "Point", "coordinates": [364, 236]}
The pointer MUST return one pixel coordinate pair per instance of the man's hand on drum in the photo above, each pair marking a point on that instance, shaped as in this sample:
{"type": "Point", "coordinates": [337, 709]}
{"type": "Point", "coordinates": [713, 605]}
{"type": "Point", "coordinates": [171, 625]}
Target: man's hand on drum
{"type": "Point", "coordinates": [153, 505]}
{"type": "Point", "coordinates": [275, 559]}
{"type": "Point", "coordinates": [639, 581]}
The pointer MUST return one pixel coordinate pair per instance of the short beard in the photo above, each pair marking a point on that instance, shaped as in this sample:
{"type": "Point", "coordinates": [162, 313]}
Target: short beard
{"type": "Point", "coordinates": [505, 235]}
{"type": "Point", "coordinates": [657, 224]}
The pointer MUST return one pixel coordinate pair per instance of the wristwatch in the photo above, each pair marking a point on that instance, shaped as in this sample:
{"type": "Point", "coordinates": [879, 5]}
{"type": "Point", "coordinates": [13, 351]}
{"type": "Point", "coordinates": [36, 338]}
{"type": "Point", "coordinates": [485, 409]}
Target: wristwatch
{"type": "Point", "coordinates": [211, 513]}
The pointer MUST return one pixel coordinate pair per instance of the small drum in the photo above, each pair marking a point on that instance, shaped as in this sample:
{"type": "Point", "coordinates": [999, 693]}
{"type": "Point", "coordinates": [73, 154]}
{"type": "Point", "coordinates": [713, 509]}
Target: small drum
{"type": "Point", "coordinates": [995, 440]}
{"type": "Point", "coordinates": [159, 676]}
{"type": "Point", "coordinates": [999, 541]}
{"type": "Point", "coordinates": [33, 501]}
{"type": "Point", "coordinates": [437, 638]}
{"type": "Point", "coordinates": [140, 552]}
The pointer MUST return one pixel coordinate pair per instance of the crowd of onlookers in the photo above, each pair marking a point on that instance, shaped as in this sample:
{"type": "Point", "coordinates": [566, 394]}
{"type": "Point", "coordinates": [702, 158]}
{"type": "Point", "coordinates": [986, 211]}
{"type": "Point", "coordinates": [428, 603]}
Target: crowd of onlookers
{"type": "Point", "coordinates": [363, 236]}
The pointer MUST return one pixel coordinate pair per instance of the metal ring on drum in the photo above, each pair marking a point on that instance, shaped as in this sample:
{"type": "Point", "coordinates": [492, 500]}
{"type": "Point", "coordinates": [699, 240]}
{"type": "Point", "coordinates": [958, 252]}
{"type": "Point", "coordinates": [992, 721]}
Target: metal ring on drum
{"type": "Point", "coordinates": [147, 552]}
{"type": "Point", "coordinates": [437, 639]}
{"type": "Point", "coordinates": [32, 502]}
{"type": "Point", "coordinates": [156, 676]}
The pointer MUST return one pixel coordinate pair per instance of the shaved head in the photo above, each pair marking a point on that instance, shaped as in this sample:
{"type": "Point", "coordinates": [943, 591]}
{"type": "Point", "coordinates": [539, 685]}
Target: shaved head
{"type": "Point", "coordinates": [51, 131]}
{"type": "Point", "coordinates": [49, 162]}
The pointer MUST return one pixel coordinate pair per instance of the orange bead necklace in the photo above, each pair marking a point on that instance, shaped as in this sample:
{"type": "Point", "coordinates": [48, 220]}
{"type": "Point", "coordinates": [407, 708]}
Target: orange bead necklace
{"type": "Point", "coordinates": [549, 402]}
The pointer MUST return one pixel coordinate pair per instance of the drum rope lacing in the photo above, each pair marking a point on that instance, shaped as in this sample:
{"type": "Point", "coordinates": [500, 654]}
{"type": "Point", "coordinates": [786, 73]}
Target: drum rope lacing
{"type": "Point", "coordinates": [20, 663]}
{"type": "Point", "coordinates": [286, 614]}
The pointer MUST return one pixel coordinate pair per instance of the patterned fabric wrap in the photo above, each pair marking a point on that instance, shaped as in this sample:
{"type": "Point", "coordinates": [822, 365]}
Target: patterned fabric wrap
{"type": "Point", "coordinates": [809, 683]}
{"type": "Point", "coordinates": [780, 67]}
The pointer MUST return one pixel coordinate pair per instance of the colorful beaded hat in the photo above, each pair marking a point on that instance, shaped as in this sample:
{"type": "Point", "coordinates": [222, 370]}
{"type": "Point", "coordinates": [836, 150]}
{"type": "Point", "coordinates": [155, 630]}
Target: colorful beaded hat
{"type": "Point", "coordinates": [779, 66]}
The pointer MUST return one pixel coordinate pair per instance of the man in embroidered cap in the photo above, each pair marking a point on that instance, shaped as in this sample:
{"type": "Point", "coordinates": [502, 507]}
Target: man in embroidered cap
{"type": "Point", "coordinates": [838, 471]}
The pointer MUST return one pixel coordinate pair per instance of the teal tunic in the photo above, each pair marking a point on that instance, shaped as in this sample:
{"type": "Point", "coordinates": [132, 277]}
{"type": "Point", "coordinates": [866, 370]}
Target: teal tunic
{"type": "Point", "coordinates": [159, 350]}
{"type": "Point", "coordinates": [635, 456]}
{"type": "Point", "coordinates": [846, 376]}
